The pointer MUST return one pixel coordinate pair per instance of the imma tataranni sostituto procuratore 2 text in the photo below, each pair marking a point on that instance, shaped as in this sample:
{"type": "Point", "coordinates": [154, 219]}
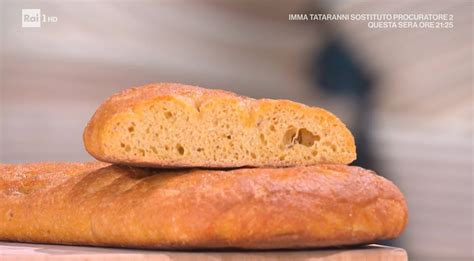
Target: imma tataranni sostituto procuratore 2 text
{"type": "Point", "coordinates": [383, 21]}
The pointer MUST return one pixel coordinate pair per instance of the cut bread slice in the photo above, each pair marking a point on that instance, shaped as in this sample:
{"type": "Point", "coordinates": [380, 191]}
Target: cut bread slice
{"type": "Point", "coordinates": [175, 125]}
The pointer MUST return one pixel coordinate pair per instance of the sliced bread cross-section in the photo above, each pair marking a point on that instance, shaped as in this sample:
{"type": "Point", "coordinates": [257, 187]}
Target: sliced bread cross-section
{"type": "Point", "coordinates": [175, 125]}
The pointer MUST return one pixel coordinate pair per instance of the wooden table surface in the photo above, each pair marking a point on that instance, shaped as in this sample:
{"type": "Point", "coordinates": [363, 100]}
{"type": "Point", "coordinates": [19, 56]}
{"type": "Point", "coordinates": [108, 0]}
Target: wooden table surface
{"type": "Point", "coordinates": [36, 252]}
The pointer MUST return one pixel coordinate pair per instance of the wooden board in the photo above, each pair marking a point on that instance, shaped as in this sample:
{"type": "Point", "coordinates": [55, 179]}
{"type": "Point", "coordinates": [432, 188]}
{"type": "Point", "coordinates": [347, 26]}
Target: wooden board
{"type": "Point", "coordinates": [41, 252]}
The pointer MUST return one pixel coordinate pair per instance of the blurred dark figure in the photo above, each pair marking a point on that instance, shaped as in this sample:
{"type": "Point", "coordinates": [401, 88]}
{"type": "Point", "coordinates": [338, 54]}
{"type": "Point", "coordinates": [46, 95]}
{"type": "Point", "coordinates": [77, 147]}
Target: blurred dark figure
{"type": "Point", "coordinates": [338, 72]}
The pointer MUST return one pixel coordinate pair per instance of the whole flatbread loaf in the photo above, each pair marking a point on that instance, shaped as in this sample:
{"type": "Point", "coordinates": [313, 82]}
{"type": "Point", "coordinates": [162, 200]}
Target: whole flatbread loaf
{"type": "Point", "coordinates": [175, 125]}
{"type": "Point", "coordinates": [89, 204]}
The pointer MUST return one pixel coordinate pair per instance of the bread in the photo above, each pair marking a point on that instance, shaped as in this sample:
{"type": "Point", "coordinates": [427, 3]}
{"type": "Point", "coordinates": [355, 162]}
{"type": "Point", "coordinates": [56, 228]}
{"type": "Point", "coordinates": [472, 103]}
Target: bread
{"type": "Point", "coordinates": [174, 125]}
{"type": "Point", "coordinates": [267, 208]}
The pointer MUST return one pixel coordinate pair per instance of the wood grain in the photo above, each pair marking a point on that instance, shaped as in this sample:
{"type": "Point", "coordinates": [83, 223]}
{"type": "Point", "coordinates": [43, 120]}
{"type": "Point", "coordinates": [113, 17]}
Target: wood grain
{"type": "Point", "coordinates": [40, 252]}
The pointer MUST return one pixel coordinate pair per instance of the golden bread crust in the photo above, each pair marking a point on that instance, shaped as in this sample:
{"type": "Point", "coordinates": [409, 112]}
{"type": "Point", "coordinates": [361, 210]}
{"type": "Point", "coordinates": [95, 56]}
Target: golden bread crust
{"type": "Point", "coordinates": [267, 208]}
{"type": "Point", "coordinates": [213, 129]}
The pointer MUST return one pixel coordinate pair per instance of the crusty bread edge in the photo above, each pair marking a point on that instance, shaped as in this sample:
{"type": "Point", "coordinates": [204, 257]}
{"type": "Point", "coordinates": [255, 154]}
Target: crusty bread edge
{"type": "Point", "coordinates": [376, 203]}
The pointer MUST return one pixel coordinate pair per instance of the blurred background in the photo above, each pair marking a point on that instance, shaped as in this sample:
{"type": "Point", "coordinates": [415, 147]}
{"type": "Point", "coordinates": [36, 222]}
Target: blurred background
{"type": "Point", "coordinates": [405, 93]}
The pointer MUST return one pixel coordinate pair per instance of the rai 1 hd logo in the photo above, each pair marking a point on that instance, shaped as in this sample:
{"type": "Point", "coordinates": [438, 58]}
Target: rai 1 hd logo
{"type": "Point", "coordinates": [33, 18]}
